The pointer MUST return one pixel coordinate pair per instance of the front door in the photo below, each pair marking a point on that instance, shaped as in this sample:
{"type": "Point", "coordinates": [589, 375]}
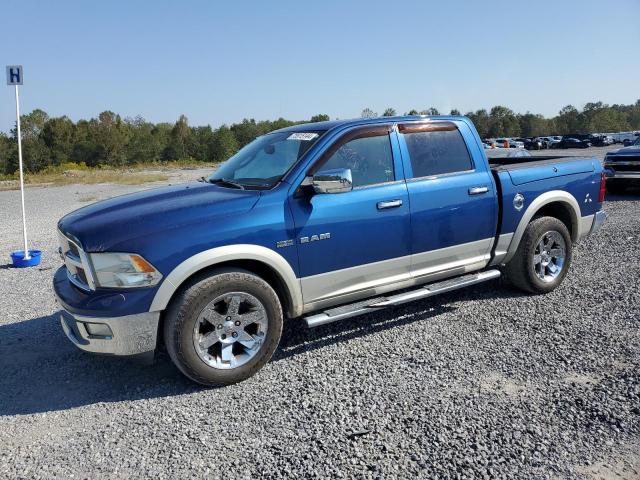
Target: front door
{"type": "Point", "coordinates": [350, 243]}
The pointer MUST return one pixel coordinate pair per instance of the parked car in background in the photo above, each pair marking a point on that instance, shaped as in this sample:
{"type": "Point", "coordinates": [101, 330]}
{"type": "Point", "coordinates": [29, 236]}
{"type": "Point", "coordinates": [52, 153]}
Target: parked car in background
{"type": "Point", "coordinates": [631, 140]}
{"type": "Point", "coordinates": [509, 143]}
{"type": "Point", "coordinates": [599, 140]}
{"type": "Point", "coordinates": [533, 144]}
{"type": "Point", "coordinates": [506, 153]}
{"type": "Point", "coordinates": [622, 167]}
{"type": "Point", "coordinates": [548, 142]}
{"type": "Point", "coordinates": [572, 142]}
{"type": "Point", "coordinates": [621, 137]}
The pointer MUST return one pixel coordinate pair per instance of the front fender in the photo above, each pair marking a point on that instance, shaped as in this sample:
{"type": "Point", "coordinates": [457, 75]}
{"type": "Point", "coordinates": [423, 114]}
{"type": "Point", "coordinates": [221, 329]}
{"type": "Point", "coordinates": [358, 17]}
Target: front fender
{"type": "Point", "coordinates": [228, 253]}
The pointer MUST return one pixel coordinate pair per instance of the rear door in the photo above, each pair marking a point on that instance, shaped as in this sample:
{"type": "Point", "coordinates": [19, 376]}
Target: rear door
{"type": "Point", "coordinates": [352, 242]}
{"type": "Point", "coordinates": [452, 198]}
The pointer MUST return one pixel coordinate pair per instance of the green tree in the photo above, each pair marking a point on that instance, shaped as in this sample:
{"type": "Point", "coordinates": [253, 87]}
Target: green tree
{"type": "Point", "coordinates": [246, 131]}
{"type": "Point", "coordinates": [178, 140]}
{"type": "Point", "coordinates": [7, 145]}
{"type": "Point", "coordinates": [480, 119]}
{"type": "Point", "coordinates": [389, 112]}
{"type": "Point", "coordinates": [143, 144]}
{"type": "Point", "coordinates": [368, 113]}
{"type": "Point", "coordinates": [32, 124]}
{"type": "Point", "coordinates": [200, 141]}
{"type": "Point", "coordinates": [430, 111]}
{"type": "Point", "coordinates": [568, 120]}
{"type": "Point", "coordinates": [608, 120]}
{"type": "Point", "coordinates": [503, 122]}
{"type": "Point", "coordinates": [106, 140]}
{"type": "Point", "coordinates": [413, 111]}
{"type": "Point", "coordinates": [58, 135]}
{"type": "Point", "coordinates": [35, 154]}
{"type": "Point", "coordinates": [223, 144]}
{"type": "Point", "coordinates": [322, 117]}
{"type": "Point", "coordinates": [454, 111]}
{"type": "Point", "coordinates": [532, 125]}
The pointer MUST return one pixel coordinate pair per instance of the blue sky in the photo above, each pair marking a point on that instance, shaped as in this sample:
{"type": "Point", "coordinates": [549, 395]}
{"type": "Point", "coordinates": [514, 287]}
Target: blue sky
{"type": "Point", "coordinates": [219, 62]}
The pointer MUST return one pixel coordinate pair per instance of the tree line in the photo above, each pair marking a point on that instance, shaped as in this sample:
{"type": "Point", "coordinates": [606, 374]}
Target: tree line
{"type": "Point", "coordinates": [110, 140]}
{"type": "Point", "coordinates": [595, 117]}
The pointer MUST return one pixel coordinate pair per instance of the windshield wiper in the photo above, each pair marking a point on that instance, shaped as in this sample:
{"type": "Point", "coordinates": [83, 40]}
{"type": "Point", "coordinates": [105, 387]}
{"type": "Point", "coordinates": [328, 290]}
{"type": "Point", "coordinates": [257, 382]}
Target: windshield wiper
{"type": "Point", "coordinates": [226, 181]}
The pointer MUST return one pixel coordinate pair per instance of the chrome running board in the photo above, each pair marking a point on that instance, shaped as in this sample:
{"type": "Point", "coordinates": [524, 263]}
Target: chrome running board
{"type": "Point", "coordinates": [373, 304]}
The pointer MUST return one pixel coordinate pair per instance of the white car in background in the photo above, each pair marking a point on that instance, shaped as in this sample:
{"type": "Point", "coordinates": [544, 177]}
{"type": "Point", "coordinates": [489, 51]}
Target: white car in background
{"type": "Point", "coordinates": [500, 142]}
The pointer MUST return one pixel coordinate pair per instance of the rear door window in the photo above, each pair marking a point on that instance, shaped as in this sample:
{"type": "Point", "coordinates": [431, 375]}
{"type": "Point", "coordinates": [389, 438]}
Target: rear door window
{"type": "Point", "coordinates": [436, 149]}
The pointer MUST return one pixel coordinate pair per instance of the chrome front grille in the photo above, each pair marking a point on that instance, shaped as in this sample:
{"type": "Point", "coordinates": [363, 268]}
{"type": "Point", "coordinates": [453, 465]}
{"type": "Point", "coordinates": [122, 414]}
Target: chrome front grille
{"type": "Point", "coordinates": [77, 263]}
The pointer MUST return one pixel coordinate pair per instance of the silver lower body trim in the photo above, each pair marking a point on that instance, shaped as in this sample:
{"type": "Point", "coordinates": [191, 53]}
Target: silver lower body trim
{"type": "Point", "coordinates": [502, 248]}
{"type": "Point", "coordinates": [585, 226]}
{"type": "Point", "coordinates": [129, 335]}
{"type": "Point", "coordinates": [598, 220]}
{"type": "Point", "coordinates": [350, 284]}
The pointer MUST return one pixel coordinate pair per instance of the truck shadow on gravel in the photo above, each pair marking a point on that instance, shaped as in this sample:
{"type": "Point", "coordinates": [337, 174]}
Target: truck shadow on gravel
{"type": "Point", "coordinates": [41, 371]}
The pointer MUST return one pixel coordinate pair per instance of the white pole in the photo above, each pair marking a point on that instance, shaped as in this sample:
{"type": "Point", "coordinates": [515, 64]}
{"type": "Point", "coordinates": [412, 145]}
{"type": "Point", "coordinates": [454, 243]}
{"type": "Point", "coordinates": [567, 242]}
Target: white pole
{"type": "Point", "coordinates": [24, 219]}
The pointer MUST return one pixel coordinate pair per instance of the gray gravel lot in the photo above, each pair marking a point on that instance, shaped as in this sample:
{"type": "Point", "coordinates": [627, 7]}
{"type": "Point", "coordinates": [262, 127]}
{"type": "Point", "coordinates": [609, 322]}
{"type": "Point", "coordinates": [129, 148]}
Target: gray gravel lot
{"type": "Point", "coordinates": [480, 383]}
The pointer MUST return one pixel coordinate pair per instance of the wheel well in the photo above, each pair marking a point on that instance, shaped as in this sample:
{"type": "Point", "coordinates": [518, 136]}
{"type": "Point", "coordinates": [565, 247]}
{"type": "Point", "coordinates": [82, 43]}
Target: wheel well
{"type": "Point", "coordinates": [262, 270]}
{"type": "Point", "coordinates": [563, 212]}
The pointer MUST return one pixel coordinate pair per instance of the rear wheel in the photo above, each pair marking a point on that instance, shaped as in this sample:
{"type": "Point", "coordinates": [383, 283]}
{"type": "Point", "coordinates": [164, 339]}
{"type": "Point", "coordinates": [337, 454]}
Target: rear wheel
{"type": "Point", "coordinates": [223, 327]}
{"type": "Point", "coordinates": [543, 256]}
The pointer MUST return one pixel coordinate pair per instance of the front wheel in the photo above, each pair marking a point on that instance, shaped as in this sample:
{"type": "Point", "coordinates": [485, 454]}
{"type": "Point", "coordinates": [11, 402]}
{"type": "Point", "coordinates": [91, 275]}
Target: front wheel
{"type": "Point", "coordinates": [223, 327]}
{"type": "Point", "coordinates": [543, 256]}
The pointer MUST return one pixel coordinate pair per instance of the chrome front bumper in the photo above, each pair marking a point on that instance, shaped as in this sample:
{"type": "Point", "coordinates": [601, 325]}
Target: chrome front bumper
{"type": "Point", "coordinates": [598, 220]}
{"type": "Point", "coordinates": [123, 336]}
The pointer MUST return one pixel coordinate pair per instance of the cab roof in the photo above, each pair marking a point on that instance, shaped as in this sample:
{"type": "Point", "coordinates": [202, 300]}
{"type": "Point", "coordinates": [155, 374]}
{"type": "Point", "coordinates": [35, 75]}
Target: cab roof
{"type": "Point", "coordinates": [354, 122]}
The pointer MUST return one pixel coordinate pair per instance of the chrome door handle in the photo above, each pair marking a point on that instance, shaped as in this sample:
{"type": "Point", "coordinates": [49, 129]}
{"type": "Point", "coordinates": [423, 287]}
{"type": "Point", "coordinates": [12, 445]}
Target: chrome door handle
{"type": "Point", "coordinates": [478, 190]}
{"type": "Point", "coordinates": [389, 204]}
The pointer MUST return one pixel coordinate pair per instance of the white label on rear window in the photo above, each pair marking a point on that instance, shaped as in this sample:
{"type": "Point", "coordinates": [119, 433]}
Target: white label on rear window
{"type": "Point", "coordinates": [304, 136]}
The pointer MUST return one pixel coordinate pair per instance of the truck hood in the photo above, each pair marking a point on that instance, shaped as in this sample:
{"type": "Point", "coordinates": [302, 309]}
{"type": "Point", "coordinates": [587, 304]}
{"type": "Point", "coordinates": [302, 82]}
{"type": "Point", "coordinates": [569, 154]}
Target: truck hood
{"type": "Point", "coordinates": [120, 220]}
{"type": "Point", "coordinates": [630, 150]}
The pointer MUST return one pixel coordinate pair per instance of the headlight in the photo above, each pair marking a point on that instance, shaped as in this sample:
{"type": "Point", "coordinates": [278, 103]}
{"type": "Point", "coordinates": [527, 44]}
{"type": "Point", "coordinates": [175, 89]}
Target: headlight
{"type": "Point", "coordinates": [123, 270]}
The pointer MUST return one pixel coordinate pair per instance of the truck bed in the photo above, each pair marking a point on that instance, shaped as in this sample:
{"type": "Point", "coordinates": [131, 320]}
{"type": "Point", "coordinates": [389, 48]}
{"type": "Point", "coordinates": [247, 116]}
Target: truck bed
{"type": "Point", "coordinates": [516, 163]}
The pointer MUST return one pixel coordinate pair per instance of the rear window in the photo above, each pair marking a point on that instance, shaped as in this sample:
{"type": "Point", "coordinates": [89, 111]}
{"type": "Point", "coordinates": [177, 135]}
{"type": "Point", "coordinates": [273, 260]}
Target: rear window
{"type": "Point", "coordinates": [437, 152]}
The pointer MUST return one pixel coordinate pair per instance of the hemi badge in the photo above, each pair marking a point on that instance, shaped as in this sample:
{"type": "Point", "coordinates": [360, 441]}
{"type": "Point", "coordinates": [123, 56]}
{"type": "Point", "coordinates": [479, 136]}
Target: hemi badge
{"type": "Point", "coordinates": [284, 243]}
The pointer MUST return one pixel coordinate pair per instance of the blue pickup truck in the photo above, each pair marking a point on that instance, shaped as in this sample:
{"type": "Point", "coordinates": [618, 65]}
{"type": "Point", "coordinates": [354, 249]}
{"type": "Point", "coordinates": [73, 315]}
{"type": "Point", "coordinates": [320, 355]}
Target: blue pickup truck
{"type": "Point", "coordinates": [315, 223]}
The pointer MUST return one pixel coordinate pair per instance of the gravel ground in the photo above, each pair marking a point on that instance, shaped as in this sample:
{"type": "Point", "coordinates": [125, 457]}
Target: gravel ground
{"type": "Point", "coordinates": [480, 383]}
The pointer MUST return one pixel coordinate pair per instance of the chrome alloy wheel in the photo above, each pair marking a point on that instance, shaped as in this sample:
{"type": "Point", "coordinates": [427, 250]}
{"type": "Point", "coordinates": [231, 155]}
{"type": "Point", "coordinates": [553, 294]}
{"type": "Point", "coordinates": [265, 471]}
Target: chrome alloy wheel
{"type": "Point", "coordinates": [549, 256]}
{"type": "Point", "coordinates": [230, 330]}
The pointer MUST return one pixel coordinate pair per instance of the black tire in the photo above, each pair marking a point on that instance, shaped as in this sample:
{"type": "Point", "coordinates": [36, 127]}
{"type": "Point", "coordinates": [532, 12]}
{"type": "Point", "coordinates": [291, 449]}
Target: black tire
{"type": "Point", "coordinates": [616, 187]}
{"type": "Point", "coordinates": [185, 309]}
{"type": "Point", "coordinates": [521, 272]}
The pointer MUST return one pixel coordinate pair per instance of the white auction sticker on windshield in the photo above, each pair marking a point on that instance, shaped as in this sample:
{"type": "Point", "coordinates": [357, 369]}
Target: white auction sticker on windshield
{"type": "Point", "coordinates": [306, 136]}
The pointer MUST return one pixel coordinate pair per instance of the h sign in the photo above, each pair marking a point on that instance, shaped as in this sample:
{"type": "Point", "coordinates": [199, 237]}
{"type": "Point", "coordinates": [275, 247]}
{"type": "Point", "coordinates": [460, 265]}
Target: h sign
{"type": "Point", "coordinates": [14, 74]}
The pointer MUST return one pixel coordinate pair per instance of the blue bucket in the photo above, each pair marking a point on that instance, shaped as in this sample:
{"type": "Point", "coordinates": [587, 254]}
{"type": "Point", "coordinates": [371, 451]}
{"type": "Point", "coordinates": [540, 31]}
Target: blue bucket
{"type": "Point", "coordinates": [20, 262]}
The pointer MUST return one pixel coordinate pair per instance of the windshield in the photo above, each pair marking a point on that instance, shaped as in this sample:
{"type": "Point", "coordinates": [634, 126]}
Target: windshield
{"type": "Point", "coordinates": [262, 163]}
{"type": "Point", "coordinates": [637, 142]}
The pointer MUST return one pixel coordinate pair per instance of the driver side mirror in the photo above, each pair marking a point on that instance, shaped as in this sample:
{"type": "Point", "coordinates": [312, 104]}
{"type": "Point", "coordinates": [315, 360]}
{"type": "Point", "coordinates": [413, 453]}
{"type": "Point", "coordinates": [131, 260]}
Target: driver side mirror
{"type": "Point", "coordinates": [338, 180]}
